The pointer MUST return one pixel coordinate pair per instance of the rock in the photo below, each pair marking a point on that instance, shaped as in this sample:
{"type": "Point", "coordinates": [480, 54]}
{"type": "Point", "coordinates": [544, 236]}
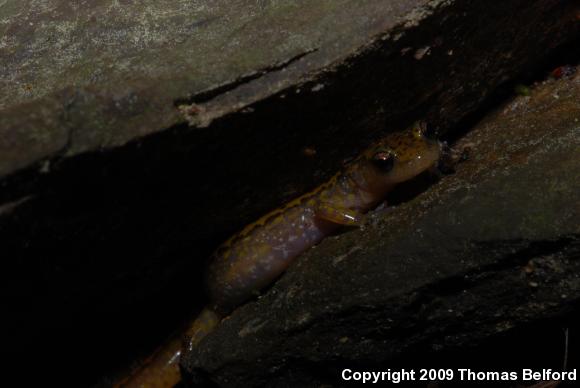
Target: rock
{"type": "Point", "coordinates": [490, 248]}
{"type": "Point", "coordinates": [135, 136]}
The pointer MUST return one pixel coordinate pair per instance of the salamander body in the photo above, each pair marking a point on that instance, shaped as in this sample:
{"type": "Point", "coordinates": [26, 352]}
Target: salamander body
{"type": "Point", "coordinates": [257, 255]}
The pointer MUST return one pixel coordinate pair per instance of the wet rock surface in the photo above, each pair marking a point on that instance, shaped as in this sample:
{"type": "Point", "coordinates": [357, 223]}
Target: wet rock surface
{"type": "Point", "coordinates": [485, 250]}
{"type": "Point", "coordinates": [135, 136]}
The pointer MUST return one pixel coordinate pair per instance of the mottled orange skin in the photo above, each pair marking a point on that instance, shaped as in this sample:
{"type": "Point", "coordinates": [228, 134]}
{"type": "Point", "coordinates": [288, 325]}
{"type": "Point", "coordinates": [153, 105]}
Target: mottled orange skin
{"type": "Point", "coordinates": [254, 257]}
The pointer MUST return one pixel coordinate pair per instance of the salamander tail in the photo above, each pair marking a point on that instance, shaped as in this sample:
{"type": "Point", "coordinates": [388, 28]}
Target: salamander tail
{"type": "Point", "coordinates": [161, 370]}
{"type": "Point", "coordinates": [204, 324]}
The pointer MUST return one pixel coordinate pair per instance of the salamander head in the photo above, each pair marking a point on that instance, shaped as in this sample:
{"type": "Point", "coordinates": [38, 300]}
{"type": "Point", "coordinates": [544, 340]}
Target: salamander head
{"type": "Point", "coordinates": [398, 157]}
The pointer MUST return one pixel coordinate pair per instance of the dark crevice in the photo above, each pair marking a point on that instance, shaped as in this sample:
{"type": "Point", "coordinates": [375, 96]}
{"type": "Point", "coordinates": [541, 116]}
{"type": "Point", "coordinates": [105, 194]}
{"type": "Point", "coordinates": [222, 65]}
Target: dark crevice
{"type": "Point", "coordinates": [566, 55]}
{"type": "Point", "coordinates": [208, 95]}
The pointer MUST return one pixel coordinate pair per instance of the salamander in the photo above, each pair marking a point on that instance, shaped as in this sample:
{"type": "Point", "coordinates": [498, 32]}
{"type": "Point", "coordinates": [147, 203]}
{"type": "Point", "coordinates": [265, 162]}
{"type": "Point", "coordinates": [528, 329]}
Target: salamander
{"type": "Point", "coordinates": [253, 258]}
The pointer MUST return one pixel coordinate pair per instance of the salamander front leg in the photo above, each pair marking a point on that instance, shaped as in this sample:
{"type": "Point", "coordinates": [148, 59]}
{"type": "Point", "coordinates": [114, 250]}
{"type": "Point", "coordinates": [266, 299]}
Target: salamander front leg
{"type": "Point", "coordinates": [338, 215]}
{"type": "Point", "coordinates": [451, 157]}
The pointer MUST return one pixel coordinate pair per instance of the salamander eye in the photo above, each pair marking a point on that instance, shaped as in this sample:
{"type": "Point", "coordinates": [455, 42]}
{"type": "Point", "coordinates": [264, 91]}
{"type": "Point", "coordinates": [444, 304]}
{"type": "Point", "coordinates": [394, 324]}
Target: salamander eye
{"type": "Point", "coordinates": [384, 160]}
